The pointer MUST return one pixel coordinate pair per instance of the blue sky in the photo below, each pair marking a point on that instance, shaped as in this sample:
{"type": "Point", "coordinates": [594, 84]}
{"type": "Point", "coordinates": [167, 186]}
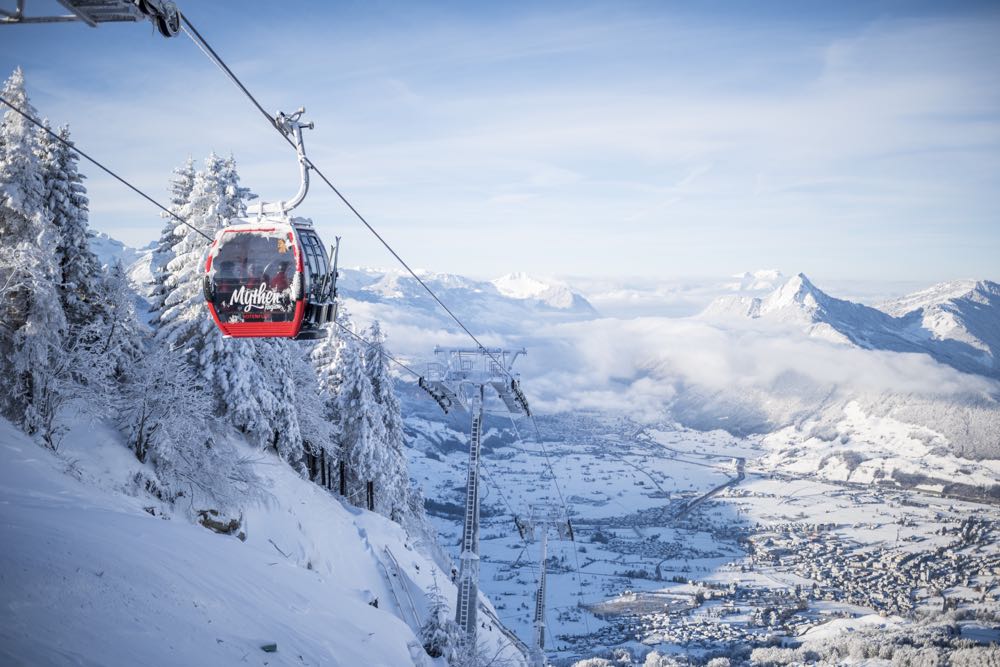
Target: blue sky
{"type": "Point", "coordinates": [845, 140]}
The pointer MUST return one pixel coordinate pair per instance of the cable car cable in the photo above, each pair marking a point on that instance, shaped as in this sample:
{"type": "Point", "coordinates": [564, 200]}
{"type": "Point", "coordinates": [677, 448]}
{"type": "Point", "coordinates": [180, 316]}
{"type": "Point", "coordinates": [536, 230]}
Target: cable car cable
{"type": "Point", "coordinates": [213, 55]}
{"type": "Point", "coordinates": [73, 147]}
{"type": "Point", "coordinates": [207, 49]}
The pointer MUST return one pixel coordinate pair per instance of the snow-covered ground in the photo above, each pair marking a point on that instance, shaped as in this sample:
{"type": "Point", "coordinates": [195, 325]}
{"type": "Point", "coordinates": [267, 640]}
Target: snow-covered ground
{"type": "Point", "coordinates": [95, 572]}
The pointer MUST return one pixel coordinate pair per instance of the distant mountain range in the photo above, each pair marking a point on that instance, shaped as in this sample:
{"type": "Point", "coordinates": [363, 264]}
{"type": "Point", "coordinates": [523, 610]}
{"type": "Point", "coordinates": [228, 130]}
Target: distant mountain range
{"type": "Point", "coordinates": [514, 288]}
{"type": "Point", "coordinates": [956, 323]}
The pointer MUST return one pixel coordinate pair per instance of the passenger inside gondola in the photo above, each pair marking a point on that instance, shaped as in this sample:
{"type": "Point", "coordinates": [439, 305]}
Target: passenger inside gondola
{"type": "Point", "coordinates": [228, 281]}
{"type": "Point", "coordinates": [280, 282]}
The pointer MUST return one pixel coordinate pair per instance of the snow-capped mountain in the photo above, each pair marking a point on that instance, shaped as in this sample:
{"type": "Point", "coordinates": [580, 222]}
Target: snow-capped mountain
{"type": "Point", "coordinates": [393, 296]}
{"type": "Point", "coordinates": [368, 284]}
{"type": "Point", "coordinates": [524, 287]}
{"type": "Point", "coordinates": [110, 250]}
{"type": "Point", "coordinates": [959, 318]}
{"type": "Point", "coordinates": [756, 281]}
{"type": "Point", "coordinates": [956, 323]}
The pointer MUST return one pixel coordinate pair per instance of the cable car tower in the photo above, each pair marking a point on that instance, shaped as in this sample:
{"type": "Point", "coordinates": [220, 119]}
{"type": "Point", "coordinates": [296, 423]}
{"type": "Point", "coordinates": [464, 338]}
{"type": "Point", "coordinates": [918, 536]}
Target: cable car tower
{"type": "Point", "coordinates": [542, 518]}
{"type": "Point", "coordinates": [463, 376]}
{"type": "Point", "coordinates": [162, 13]}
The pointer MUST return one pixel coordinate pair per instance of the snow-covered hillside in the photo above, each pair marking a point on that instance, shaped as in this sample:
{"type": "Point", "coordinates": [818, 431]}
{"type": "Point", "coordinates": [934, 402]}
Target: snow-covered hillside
{"type": "Point", "coordinates": [110, 250]}
{"type": "Point", "coordinates": [97, 572]}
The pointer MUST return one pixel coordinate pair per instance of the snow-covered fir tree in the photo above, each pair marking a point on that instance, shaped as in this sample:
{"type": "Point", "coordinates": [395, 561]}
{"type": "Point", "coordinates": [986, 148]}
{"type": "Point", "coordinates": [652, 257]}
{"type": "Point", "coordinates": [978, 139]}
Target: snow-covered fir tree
{"type": "Point", "coordinates": [33, 326]}
{"type": "Point", "coordinates": [327, 360]}
{"type": "Point", "coordinates": [119, 337]}
{"type": "Point", "coordinates": [439, 634]}
{"type": "Point", "coordinates": [393, 480]}
{"type": "Point", "coordinates": [81, 280]}
{"type": "Point", "coordinates": [362, 432]}
{"type": "Point", "coordinates": [216, 198]}
{"type": "Point", "coordinates": [181, 186]}
{"type": "Point", "coordinates": [229, 369]}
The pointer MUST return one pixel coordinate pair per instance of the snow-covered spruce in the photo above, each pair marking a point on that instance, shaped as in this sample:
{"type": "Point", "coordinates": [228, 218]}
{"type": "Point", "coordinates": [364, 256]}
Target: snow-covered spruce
{"type": "Point", "coordinates": [34, 323]}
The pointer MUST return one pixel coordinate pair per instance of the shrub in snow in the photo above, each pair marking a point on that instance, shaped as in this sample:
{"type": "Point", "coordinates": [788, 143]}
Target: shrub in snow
{"type": "Point", "coordinates": [162, 411]}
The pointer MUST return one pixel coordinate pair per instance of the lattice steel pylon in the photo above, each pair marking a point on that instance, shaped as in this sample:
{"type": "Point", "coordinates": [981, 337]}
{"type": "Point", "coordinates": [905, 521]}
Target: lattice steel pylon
{"type": "Point", "coordinates": [542, 518]}
{"type": "Point", "coordinates": [463, 376]}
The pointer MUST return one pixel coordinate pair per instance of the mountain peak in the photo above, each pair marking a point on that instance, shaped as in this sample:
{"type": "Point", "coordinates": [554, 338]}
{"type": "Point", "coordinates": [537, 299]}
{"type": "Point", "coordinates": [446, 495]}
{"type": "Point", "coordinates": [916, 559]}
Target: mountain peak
{"type": "Point", "coordinates": [797, 291]}
{"type": "Point", "coordinates": [520, 285]}
{"type": "Point", "coordinates": [756, 281]}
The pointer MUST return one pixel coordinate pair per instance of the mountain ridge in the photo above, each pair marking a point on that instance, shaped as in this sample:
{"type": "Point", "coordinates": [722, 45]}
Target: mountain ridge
{"type": "Point", "coordinates": [956, 323]}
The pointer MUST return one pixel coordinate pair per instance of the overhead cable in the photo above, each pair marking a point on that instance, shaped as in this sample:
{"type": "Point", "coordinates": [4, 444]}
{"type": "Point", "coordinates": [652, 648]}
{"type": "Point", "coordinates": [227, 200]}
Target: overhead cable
{"type": "Point", "coordinates": [72, 147]}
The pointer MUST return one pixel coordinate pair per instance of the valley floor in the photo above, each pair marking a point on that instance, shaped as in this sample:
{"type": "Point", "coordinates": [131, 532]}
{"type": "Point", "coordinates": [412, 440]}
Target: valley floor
{"type": "Point", "coordinates": [684, 543]}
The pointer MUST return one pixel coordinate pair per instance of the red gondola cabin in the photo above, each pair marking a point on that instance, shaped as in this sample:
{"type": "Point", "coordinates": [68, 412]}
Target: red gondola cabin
{"type": "Point", "coordinates": [269, 279]}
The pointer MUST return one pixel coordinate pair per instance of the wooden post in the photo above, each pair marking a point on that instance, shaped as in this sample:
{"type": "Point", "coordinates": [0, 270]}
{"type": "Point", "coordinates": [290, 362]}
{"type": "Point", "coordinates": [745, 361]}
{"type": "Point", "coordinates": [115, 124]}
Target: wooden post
{"type": "Point", "coordinates": [371, 496]}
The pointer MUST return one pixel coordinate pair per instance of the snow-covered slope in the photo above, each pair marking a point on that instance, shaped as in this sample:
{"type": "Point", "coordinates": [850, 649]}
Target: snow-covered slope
{"type": "Point", "coordinates": [955, 323]}
{"type": "Point", "coordinates": [960, 319]}
{"type": "Point", "coordinates": [524, 287]}
{"type": "Point", "coordinates": [513, 291]}
{"type": "Point", "coordinates": [110, 250]}
{"type": "Point", "coordinates": [397, 298]}
{"type": "Point", "coordinates": [93, 574]}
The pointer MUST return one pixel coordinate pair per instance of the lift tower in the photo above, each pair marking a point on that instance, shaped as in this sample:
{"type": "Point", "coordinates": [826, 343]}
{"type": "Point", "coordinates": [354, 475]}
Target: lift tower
{"type": "Point", "coordinates": [542, 518]}
{"type": "Point", "coordinates": [467, 376]}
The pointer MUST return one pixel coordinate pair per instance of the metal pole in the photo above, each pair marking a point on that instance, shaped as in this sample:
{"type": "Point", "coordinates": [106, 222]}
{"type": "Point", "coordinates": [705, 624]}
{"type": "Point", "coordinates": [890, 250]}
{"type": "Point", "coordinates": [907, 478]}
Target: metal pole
{"type": "Point", "coordinates": [468, 578]}
{"type": "Point", "coordinates": [538, 647]}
